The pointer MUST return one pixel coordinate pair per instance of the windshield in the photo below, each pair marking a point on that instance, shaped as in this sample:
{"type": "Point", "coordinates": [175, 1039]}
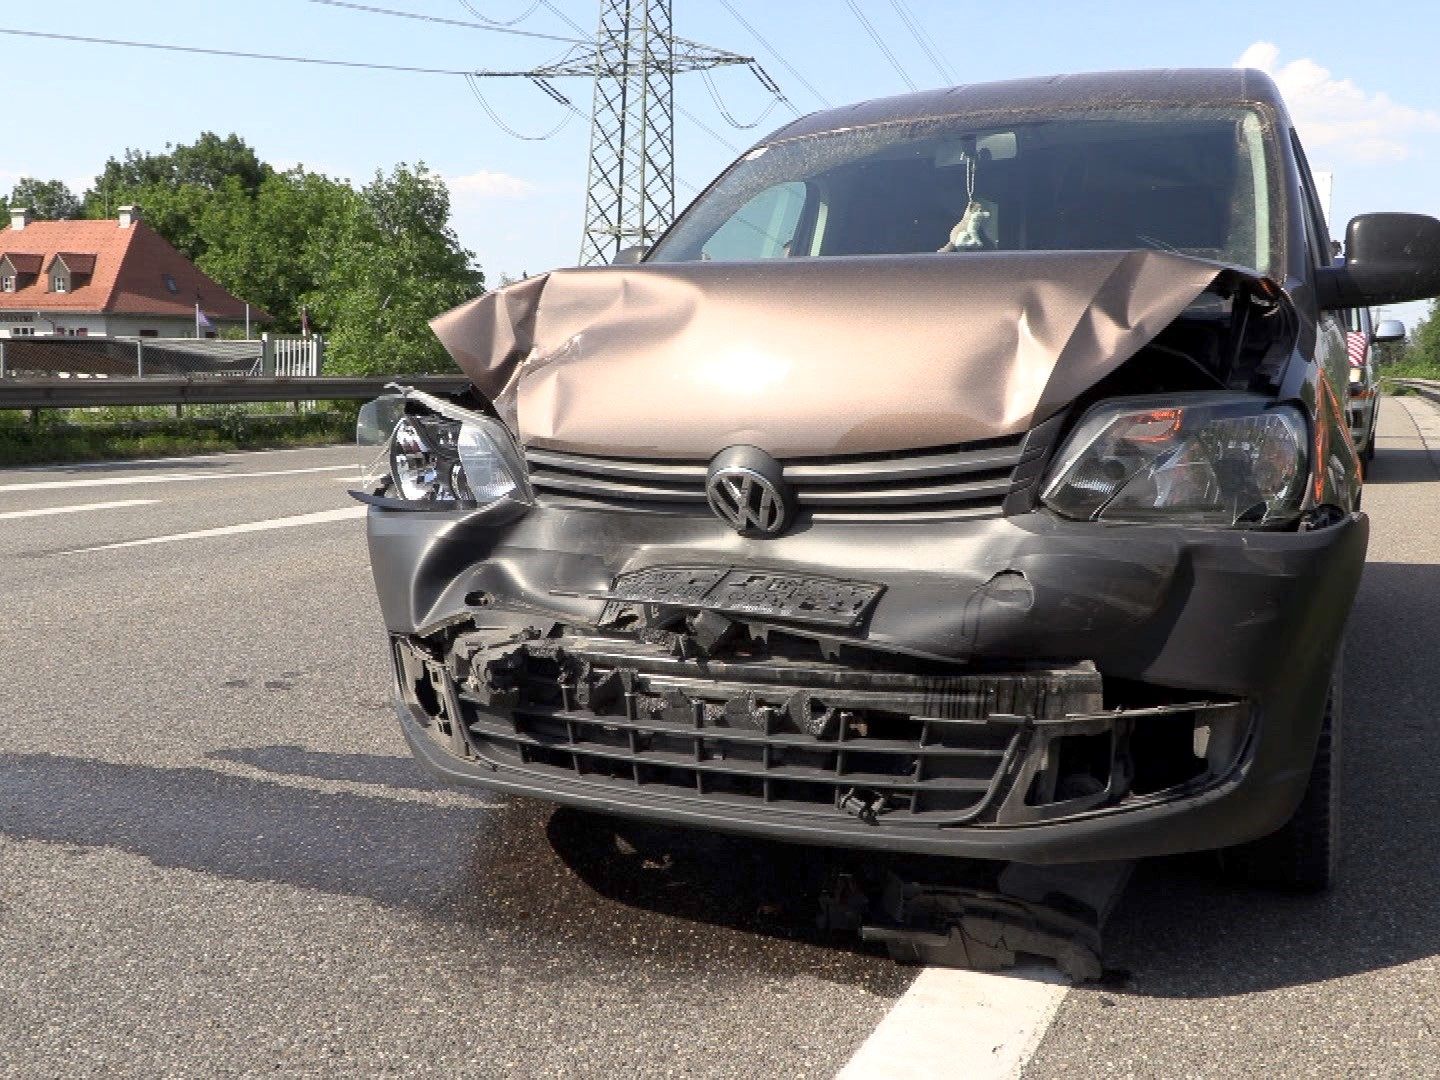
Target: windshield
{"type": "Point", "coordinates": [1192, 181]}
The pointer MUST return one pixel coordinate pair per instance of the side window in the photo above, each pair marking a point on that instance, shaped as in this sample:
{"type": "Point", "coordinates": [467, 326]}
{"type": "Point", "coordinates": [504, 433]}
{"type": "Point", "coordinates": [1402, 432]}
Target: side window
{"type": "Point", "coordinates": [1331, 346]}
{"type": "Point", "coordinates": [764, 228]}
{"type": "Point", "coordinates": [1315, 228]}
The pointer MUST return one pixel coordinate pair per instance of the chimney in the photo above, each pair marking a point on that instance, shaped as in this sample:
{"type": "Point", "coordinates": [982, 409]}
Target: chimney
{"type": "Point", "coordinates": [19, 217]}
{"type": "Point", "coordinates": [129, 215]}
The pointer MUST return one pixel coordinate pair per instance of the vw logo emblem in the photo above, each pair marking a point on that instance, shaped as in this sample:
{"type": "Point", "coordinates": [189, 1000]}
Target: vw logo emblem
{"type": "Point", "coordinates": [747, 490]}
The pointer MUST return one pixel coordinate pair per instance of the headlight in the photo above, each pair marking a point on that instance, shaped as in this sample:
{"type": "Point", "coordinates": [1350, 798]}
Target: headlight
{"type": "Point", "coordinates": [1211, 460]}
{"type": "Point", "coordinates": [432, 453]}
{"type": "Point", "coordinates": [424, 464]}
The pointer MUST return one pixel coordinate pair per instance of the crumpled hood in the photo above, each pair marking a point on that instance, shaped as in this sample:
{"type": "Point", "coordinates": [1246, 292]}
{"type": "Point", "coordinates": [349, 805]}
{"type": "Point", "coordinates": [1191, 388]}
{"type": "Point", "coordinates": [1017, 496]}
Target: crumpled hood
{"type": "Point", "coordinates": [811, 357]}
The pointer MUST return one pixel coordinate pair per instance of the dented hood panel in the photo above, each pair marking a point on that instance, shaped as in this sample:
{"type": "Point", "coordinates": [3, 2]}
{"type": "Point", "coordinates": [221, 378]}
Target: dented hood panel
{"type": "Point", "coordinates": [811, 357]}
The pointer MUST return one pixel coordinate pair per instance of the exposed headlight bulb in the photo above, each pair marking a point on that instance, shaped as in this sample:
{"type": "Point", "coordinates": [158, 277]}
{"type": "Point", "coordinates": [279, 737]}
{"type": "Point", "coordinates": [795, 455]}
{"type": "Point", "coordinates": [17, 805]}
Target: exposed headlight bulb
{"type": "Point", "coordinates": [414, 465]}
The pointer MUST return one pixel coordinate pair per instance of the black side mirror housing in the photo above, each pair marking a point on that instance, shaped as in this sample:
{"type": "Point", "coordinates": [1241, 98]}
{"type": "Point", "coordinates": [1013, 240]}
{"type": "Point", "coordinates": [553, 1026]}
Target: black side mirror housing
{"type": "Point", "coordinates": [1389, 259]}
{"type": "Point", "coordinates": [631, 255]}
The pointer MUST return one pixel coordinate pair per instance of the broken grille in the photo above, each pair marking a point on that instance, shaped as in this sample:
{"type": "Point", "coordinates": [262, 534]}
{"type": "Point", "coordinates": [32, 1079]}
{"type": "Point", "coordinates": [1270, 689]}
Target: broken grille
{"type": "Point", "coordinates": [968, 480]}
{"type": "Point", "coordinates": [880, 746]}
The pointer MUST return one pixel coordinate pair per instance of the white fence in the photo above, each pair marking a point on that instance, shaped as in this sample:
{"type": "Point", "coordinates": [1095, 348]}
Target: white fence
{"type": "Point", "coordinates": [291, 355]}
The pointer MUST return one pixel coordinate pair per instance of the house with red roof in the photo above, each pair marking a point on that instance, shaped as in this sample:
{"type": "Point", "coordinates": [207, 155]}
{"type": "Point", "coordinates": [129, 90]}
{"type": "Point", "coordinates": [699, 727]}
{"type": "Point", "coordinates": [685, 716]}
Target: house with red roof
{"type": "Point", "coordinates": [111, 278]}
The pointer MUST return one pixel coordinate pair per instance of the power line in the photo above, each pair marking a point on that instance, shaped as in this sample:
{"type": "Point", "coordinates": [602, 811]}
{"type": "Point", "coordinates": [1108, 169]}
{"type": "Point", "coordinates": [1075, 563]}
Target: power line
{"type": "Point", "coordinates": [779, 57]}
{"type": "Point", "coordinates": [688, 115]}
{"type": "Point", "coordinates": [669, 56]}
{"type": "Point", "coordinates": [562, 16]}
{"type": "Point", "coordinates": [682, 47]}
{"type": "Point", "coordinates": [195, 49]}
{"type": "Point", "coordinates": [233, 53]}
{"type": "Point", "coordinates": [759, 72]}
{"type": "Point", "coordinates": [573, 62]}
{"type": "Point", "coordinates": [573, 111]}
{"type": "Point", "coordinates": [441, 20]}
{"type": "Point", "coordinates": [474, 85]}
{"type": "Point", "coordinates": [725, 112]}
{"type": "Point", "coordinates": [923, 39]}
{"type": "Point", "coordinates": [357, 64]}
{"type": "Point", "coordinates": [500, 22]}
{"type": "Point", "coordinates": [880, 42]}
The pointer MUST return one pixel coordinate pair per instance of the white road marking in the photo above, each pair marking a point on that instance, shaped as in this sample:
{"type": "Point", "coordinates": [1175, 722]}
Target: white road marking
{"type": "Point", "coordinates": [349, 513]}
{"type": "Point", "coordinates": [46, 511]}
{"type": "Point", "coordinates": [954, 1023]}
{"type": "Point", "coordinates": [178, 460]}
{"type": "Point", "coordinates": [169, 478]}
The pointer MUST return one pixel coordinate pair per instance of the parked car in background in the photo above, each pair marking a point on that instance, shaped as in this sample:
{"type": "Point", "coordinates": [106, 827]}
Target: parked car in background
{"type": "Point", "coordinates": [962, 473]}
{"type": "Point", "coordinates": [1363, 393]}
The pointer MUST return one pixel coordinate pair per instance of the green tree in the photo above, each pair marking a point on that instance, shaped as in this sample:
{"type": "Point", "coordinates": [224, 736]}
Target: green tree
{"type": "Point", "coordinates": [393, 264]}
{"type": "Point", "coordinates": [1423, 347]}
{"type": "Point", "coordinates": [210, 163]}
{"type": "Point", "coordinates": [372, 266]}
{"type": "Point", "coordinates": [270, 249]}
{"type": "Point", "coordinates": [190, 216]}
{"type": "Point", "coordinates": [47, 200]}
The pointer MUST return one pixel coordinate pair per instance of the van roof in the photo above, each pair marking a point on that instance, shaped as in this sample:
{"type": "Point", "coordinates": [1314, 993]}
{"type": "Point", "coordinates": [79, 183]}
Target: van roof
{"type": "Point", "coordinates": [1171, 86]}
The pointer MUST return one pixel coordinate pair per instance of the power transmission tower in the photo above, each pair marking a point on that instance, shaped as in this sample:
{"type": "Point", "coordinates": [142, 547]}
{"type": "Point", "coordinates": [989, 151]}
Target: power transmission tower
{"type": "Point", "coordinates": [630, 185]}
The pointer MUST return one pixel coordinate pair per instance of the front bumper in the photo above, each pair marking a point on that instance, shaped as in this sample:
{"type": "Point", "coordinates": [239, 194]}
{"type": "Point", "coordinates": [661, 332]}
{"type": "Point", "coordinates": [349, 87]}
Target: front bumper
{"type": "Point", "coordinates": [1234, 633]}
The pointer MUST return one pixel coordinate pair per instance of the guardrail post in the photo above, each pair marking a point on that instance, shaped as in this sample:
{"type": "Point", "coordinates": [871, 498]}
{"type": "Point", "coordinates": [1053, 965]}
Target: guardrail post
{"type": "Point", "coordinates": [139, 358]}
{"type": "Point", "coordinates": [2, 358]}
{"type": "Point", "coordinates": [267, 355]}
{"type": "Point", "coordinates": [318, 359]}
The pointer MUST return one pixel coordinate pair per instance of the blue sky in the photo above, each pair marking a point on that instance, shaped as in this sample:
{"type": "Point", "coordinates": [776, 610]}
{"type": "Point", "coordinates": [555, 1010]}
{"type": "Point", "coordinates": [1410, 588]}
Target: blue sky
{"type": "Point", "coordinates": [1361, 83]}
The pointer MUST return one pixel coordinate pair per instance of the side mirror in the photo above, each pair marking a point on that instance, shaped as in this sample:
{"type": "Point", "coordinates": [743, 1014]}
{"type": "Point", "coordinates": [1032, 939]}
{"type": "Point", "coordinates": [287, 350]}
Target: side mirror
{"type": "Point", "coordinates": [1389, 259]}
{"type": "Point", "coordinates": [1390, 330]}
{"type": "Point", "coordinates": [631, 255]}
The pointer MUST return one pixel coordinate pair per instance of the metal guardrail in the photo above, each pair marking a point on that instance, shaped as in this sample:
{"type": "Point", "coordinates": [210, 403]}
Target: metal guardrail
{"type": "Point", "coordinates": [230, 390]}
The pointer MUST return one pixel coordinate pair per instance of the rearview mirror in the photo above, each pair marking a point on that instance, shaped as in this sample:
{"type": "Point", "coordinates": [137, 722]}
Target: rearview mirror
{"type": "Point", "coordinates": [1390, 330]}
{"type": "Point", "coordinates": [630, 255]}
{"type": "Point", "coordinates": [1389, 259]}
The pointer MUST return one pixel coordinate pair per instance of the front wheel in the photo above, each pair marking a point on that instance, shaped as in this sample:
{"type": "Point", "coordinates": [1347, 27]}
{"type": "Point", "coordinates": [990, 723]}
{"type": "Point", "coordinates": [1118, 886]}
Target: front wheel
{"type": "Point", "coordinates": [1303, 854]}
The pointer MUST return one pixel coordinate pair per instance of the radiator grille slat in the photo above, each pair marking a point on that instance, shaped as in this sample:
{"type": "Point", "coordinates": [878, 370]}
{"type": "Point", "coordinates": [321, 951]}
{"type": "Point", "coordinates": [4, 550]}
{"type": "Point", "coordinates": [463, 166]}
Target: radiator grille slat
{"type": "Point", "coordinates": [618, 491]}
{"type": "Point", "coordinates": [645, 471]}
{"type": "Point", "coordinates": [898, 496]}
{"type": "Point", "coordinates": [893, 470]}
{"type": "Point", "coordinates": [969, 480]}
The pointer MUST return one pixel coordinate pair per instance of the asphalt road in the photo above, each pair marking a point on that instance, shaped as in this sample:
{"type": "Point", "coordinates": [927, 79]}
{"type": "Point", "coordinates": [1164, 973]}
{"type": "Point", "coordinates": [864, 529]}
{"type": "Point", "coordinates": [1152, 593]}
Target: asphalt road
{"type": "Point", "coordinates": [216, 857]}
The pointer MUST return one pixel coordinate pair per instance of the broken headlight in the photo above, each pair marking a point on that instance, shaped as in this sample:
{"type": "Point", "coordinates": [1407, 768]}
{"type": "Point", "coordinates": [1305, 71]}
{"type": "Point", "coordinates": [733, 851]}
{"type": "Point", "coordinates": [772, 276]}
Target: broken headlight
{"type": "Point", "coordinates": [1207, 460]}
{"type": "Point", "coordinates": [431, 453]}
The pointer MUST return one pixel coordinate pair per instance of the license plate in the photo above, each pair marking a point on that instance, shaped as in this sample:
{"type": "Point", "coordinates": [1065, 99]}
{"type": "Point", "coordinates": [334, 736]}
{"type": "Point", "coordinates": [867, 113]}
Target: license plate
{"type": "Point", "coordinates": [768, 594]}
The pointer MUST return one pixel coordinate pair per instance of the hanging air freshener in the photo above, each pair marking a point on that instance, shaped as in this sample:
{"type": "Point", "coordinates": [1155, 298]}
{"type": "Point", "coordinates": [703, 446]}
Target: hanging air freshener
{"type": "Point", "coordinates": [967, 235]}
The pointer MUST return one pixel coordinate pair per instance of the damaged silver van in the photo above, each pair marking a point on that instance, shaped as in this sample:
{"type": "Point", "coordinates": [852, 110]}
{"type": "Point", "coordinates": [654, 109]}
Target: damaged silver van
{"type": "Point", "coordinates": [963, 473]}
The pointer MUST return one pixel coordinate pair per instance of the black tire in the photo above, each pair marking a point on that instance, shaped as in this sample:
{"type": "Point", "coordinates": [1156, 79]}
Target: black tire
{"type": "Point", "coordinates": [1303, 854]}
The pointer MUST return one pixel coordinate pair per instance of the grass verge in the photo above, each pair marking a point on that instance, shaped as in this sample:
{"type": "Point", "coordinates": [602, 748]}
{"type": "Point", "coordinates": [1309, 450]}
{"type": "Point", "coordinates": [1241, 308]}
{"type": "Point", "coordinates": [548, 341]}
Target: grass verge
{"type": "Point", "coordinates": [1407, 369]}
{"type": "Point", "coordinates": [63, 436]}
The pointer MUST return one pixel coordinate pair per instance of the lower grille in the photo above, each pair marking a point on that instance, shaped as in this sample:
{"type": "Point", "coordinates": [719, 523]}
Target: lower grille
{"type": "Point", "coordinates": [883, 746]}
{"type": "Point", "coordinates": [969, 480]}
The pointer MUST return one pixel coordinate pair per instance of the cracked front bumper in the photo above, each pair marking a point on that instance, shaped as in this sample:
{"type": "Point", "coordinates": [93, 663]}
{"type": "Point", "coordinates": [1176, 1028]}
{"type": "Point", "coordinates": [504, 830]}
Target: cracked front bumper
{"type": "Point", "coordinates": [1231, 634]}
